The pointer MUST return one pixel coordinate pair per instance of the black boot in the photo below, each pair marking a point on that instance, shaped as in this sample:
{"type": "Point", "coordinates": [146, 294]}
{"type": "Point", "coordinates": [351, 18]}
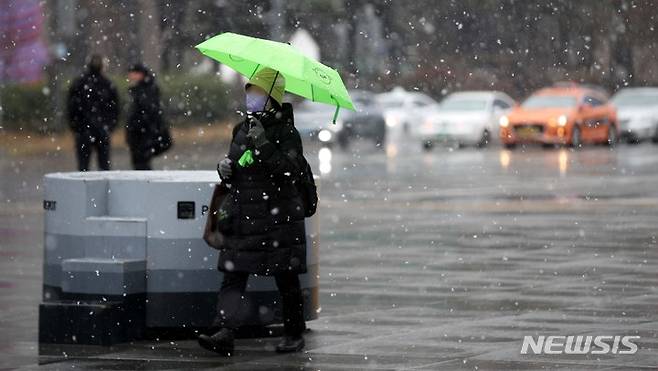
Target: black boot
{"type": "Point", "coordinates": [290, 344]}
{"type": "Point", "coordinates": [221, 342]}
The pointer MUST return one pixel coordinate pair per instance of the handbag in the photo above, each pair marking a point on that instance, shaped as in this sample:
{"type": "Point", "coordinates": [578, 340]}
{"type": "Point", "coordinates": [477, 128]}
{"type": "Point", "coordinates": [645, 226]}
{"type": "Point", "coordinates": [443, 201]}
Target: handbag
{"type": "Point", "coordinates": [307, 188]}
{"type": "Point", "coordinates": [211, 234]}
{"type": "Point", "coordinates": [162, 140]}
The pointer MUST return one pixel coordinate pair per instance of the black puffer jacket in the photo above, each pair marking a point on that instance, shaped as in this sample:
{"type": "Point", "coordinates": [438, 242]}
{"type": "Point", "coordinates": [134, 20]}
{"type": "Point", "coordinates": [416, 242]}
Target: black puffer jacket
{"type": "Point", "coordinates": [93, 103]}
{"type": "Point", "coordinates": [145, 116]}
{"type": "Point", "coordinates": [263, 215]}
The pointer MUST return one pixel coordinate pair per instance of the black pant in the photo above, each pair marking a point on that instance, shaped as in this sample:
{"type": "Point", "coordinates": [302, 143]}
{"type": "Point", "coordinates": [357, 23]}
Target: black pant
{"type": "Point", "coordinates": [140, 161]}
{"type": "Point", "coordinates": [232, 306]}
{"type": "Point", "coordinates": [140, 155]}
{"type": "Point", "coordinates": [86, 141]}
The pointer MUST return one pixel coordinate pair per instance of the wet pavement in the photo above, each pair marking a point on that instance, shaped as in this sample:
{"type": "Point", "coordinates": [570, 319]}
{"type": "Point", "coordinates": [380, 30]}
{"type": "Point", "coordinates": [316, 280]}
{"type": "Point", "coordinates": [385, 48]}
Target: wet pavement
{"type": "Point", "coordinates": [428, 260]}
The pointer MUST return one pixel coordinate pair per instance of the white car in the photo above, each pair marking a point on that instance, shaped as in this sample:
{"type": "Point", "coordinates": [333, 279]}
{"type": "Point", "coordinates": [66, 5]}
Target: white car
{"type": "Point", "coordinates": [404, 110]}
{"type": "Point", "coordinates": [466, 118]}
{"type": "Point", "coordinates": [637, 113]}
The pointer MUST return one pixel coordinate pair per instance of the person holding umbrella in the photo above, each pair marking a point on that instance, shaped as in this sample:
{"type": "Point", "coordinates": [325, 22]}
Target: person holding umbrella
{"type": "Point", "coordinates": [263, 216]}
{"type": "Point", "coordinates": [270, 183]}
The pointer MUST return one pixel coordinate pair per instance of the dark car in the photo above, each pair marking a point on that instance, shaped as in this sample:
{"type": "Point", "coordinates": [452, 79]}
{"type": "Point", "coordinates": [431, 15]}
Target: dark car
{"type": "Point", "coordinates": [367, 122]}
{"type": "Point", "coordinates": [313, 121]}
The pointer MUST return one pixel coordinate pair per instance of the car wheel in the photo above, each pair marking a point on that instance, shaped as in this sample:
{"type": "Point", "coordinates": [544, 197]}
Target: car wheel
{"type": "Point", "coordinates": [576, 139]}
{"type": "Point", "coordinates": [485, 139]}
{"type": "Point", "coordinates": [509, 145]}
{"type": "Point", "coordinates": [343, 139]}
{"type": "Point", "coordinates": [428, 145]}
{"type": "Point", "coordinates": [344, 144]}
{"type": "Point", "coordinates": [632, 139]}
{"type": "Point", "coordinates": [654, 138]}
{"type": "Point", "coordinates": [612, 136]}
{"type": "Point", "coordinates": [380, 136]}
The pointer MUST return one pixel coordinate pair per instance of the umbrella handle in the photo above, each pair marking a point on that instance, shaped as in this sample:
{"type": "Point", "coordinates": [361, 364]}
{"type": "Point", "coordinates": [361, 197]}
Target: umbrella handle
{"type": "Point", "coordinates": [337, 109]}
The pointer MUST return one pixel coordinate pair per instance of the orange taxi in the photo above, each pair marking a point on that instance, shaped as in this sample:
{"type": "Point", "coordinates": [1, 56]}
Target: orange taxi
{"type": "Point", "coordinates": [567, 114]}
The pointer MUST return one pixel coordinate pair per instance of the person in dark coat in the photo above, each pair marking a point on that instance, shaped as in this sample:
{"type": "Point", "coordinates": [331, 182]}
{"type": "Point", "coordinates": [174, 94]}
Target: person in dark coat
{"type": "Point", "coordinates": [93, 111]}
{"type": "Point", "coordinates": [144, 118]}
{"type": "Point", "coordinates": [262, 217]}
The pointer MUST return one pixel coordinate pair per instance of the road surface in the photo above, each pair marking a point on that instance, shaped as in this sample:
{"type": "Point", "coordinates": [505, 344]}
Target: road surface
{"type": "Point", "coordinates": [429, 260]}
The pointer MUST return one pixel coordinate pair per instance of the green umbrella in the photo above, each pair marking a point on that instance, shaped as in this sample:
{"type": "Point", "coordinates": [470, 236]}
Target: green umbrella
{"type": "Point", "coordinates": [304, 76]}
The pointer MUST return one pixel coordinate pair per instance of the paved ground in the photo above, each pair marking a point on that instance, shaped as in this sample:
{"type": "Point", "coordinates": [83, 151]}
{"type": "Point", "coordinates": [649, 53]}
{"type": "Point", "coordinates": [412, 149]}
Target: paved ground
{"type": "Point", "coordinates": [440, 260]}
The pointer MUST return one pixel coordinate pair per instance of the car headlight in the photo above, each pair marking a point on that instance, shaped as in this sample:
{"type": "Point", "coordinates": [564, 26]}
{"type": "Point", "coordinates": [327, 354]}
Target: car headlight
{"type": "Point", "coordinates": [391, 121]}
{"type": "Point", "coordinates": [504, 121]}
{"type": "Point", "coordinates": [324, 135]}
{"type": "Point", "coordinates": [562, 120]}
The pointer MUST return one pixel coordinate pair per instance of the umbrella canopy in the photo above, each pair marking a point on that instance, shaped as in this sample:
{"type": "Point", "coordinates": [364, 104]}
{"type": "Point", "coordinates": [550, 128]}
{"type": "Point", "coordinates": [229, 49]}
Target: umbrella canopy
{"type": "Point", "coordinates": [304, 76]}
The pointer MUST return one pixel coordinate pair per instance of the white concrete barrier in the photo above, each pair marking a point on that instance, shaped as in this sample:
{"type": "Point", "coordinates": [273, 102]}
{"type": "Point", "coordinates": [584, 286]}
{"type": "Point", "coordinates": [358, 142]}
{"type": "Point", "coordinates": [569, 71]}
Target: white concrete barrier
{"type": "Point", "coordinates": [136, 236]}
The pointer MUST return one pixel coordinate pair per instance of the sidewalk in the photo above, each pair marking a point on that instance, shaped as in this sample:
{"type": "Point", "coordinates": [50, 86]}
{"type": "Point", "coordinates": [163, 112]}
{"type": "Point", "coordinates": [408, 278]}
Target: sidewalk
{"type": "Point", "coordinates": [17, 143]}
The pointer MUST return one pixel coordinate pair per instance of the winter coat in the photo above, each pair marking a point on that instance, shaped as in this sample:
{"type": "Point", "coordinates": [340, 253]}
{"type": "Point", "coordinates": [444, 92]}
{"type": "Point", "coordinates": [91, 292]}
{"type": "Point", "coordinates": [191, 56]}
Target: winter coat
{"type": "Point", "coordinates": [145, 116]}
{"type": "Point", "coordinates": [262, 217]}
{"type": "Point", "coordinates": [93, 104]}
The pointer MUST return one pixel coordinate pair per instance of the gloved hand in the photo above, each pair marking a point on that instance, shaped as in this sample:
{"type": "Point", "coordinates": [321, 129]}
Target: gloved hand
{"type": "Point", "coordinates": [224, 168]}
{"type": "Point", "coordinates": [257, 133]}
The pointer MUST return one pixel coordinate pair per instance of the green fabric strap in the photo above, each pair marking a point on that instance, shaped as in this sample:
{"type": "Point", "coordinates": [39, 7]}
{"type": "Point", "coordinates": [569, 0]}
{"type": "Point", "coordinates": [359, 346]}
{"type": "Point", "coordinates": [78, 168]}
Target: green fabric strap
{"type": "Point", "coordinates": [246, 159]}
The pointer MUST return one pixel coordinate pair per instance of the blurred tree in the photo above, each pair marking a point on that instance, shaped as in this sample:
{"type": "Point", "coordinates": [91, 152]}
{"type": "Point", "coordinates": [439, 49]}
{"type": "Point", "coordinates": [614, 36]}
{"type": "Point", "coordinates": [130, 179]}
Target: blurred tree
{"type": "Point", "coordinates": [437, 46]}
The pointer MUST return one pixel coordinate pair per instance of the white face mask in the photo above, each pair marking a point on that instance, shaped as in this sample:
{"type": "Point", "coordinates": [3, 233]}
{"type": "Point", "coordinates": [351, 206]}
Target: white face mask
{"type": "Point", "coordinates": [255, 102]}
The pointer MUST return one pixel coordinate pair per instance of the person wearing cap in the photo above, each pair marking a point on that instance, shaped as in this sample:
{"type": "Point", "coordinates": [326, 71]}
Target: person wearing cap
{"type": "Point", "coordinates": [262, 217]}
{"type": "Point", "coordinates": [145, 116]}
{"type": "Point", "coordinates": [93, 111]}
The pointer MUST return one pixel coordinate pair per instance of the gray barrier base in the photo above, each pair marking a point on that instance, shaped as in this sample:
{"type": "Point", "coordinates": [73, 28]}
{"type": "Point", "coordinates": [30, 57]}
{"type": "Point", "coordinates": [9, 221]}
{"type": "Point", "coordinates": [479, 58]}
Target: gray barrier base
{"type": "Point", "coordinates": [107, 320]}
{"type": "Point", "coordinates": [91, 322]}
